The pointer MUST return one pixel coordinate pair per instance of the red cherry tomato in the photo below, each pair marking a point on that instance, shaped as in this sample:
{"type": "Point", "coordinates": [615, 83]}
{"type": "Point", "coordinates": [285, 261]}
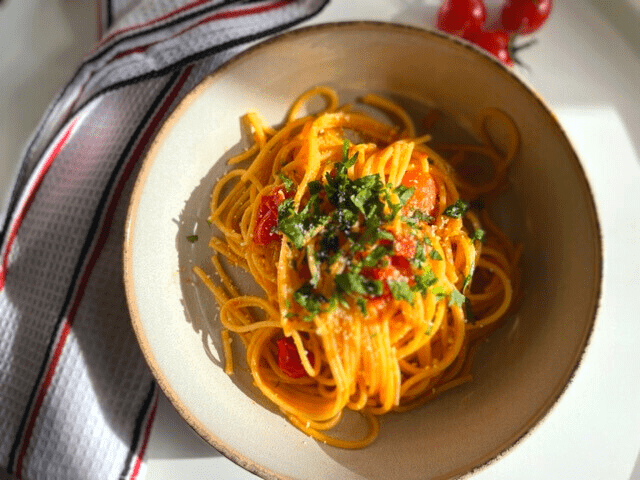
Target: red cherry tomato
{"type": "Point", "coordinates": [376, 303]}
{"type": "Point", "coordinates": [402, 265]}
{"type": "Point", "coordinates": [405, 247]}
{"type": "Point", "coordinates": [424, 196]}
{"type": "Point", "coordinates": [267, 218]}
{"type": "Point", "coordinates": [378, 273]}
{"type": "Point", "coordinates": [461, 17]}
{"type": "Point", "coordinates": [496, 43]}
{"type": "Point", "coordinates": [398, 266]}
{"type": "Point", "coordinates": [289, 359]}
{"type": "Point", "coordinates": [523, 17]}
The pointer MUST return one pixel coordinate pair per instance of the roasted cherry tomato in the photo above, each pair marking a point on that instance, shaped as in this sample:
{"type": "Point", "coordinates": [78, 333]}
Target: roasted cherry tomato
{"type": "Point", "coordinates": [523, 17]}
{"type": "Point", "coordinates": [424, 196]}
{"type": "Point", "coordinates": [378, 302]}
{"type": "Point", "coordinates": [398, 266]}
{"type": "Point", "coordinates": [461, 17]}
{"type": "Point", "coordinates": [405, 246]}
{"type": "Point", "coordinates": [289, 359]}
{"type": "Point", "coordinates": [496, 43]}
{"type": "Point", "coordinates": [264, 231]}
{"type": "Point", "coordinates": [402, 265]}
{"type": "Point", "coordinates": [378, 273]}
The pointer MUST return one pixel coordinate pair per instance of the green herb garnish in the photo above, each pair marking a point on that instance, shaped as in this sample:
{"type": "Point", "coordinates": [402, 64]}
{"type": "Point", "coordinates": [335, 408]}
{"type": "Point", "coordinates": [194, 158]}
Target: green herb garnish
{"type": "Point", "coordinates": [377, 254]}
{"type": "Point", "coordinates": [435, 254]}
{"type": "Point", "coordinates": [439, 292]}
{"type": "Point", "coordinates": [287, 182]}
{"type": "Point", "coordinates": [362, 304]}
{"type": "Point", "coordinates": [457, 298]}
{"type": "Point", "coordinates": [354, 283]}
{"type": "Point", "coordinates": [309, 299]}
{"type": "Point", "coordinates": [425, 280]}
{"type": "Point", "coordinates": [479, 235]}
{"type": "Point", "coordinates": [456, 210]}
{"type": "Point", "coordinates": [400, 290]}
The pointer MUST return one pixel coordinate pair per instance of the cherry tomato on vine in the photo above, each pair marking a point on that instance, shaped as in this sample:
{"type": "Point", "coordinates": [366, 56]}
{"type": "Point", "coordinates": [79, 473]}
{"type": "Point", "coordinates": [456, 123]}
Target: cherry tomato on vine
{"type": "Point", "coordinates": [461, 17]}
{"type": "Point", "coordinates": [495, 42]}
{"type": "Point", "coordinates": [523, 17]}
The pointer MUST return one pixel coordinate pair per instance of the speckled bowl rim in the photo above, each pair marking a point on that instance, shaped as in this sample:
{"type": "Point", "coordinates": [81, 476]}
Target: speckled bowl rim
{"type": "Point", "coordinates": [193, 422]}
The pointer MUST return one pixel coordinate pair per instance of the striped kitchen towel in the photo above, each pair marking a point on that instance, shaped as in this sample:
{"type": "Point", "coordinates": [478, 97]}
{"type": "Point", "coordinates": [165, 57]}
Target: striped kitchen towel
{"type": "Point", "coordinates": [76, 398]}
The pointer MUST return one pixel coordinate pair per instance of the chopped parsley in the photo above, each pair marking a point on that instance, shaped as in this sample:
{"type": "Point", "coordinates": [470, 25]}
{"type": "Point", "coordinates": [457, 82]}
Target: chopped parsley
{"type": "Point", "coordinates": [297, 225]}
{"type": "Point", "coordinates": [479, 235]}
{"type": "Point", "coordinates": [435, 254]}
{"type": "Point", "coordinates": [421, 216]}
{"type": "Point", "coordinates": [400, 290]}
{"type": "Point", "coordinates": [439, 292]}
{"type": "Point", "coordinates": [310, 300]}
{"type": "Point", "coordinates": [457, 298]}
{"type": "Point", "coordinates": [425, 280]}
{"type": "Point", "coordinates": [362, 305]}
{"type": "Point", "coordinates": [376, 255]}
{"type": "Point", "coordinates": [289, 186]}
{"type": "Point", "coordinates": [456, 210]}
{"type": "Point", "coordinates": [419, 257]}
{"type": "Point", "coordinates": [348, 221]}
{"type": "Point", "coordinates": [352, 282]}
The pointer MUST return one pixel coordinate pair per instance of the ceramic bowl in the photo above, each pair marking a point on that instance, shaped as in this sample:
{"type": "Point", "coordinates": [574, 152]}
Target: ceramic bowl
{"type": "Point", "coordinates": [521, 371]}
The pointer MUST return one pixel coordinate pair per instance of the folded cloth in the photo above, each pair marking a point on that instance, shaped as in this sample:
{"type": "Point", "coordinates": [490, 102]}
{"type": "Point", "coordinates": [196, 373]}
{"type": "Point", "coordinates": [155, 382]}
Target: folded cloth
{"type": "Point", "coordinates": [76, 398]}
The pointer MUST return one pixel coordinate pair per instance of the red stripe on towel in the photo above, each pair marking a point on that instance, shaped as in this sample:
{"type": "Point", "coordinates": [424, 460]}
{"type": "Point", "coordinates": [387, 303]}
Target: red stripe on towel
{"type": "Point", "coordinates": [42, 172]}
{"type": "Point", "coordinates": [137, 152]}
{"type": "Point", "coordinates": [145, 441]}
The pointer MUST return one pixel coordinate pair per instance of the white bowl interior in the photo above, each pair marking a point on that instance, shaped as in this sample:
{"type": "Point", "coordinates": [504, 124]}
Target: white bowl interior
{"type": "Point", "coordinates": [518, 374]}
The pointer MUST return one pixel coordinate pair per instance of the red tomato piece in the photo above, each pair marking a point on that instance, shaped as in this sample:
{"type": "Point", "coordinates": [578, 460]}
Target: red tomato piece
{"type": "Point", "coordinates": [264, 231]}
{"type": "Point", "coordinates": [402, 265]}
{"type": "Point", "coordinates": [497, 43]}
{"type": "Point", "coordinates": [426, 191]}
{"type": "Point", "coordinates": [461, 17]}
{"type": "Point", "coordinates": [523, 17]}
{"type": "Point", "coordinates": [398, 266]}
{"type": "Point", "coordinates": [378, 303]}
{"type": "Point", "coordinates": [378, 273]}
{"type": "Point", "coordinates": [405, 246]}
{"type": "Point", "coordinates": [289, 359]}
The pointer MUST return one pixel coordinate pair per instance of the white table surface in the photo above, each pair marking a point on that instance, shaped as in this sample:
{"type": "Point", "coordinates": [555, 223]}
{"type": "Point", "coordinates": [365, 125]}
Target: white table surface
{"type": "Point", "coordinates": [586, 65]}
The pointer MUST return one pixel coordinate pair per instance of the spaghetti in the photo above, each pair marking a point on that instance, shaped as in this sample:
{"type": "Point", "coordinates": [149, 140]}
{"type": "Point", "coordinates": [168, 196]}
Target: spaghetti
{"type": "Point", "coordinates": [379, 280]}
